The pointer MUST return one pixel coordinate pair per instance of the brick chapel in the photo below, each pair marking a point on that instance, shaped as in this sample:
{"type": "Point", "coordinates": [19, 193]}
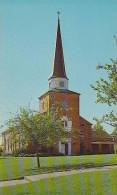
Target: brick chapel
{"type": "Point", "coordinates": [70, 112]}
{"type": "Point", "coordinates": [89, 142]}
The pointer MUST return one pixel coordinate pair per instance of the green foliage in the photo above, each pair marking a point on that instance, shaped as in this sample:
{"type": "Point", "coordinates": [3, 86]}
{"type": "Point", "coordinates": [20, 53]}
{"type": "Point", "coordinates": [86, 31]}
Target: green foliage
{"type": "Point", "coordinates": [99, 129]}
{"type": "Point", "coordinates": [17, 167]}
{"type": "Point", "coordinates": [98, 124]}
{"type": "Point", "coordinates": [36, 128]}
{"type": "Point", "coordinates": [114, 134]}
{"type": "Point", "coordinates": [1, 150]}
{"type": "Point", "coordinates": [39, 130]}
{"type": "Point", "coordinates": [106, 91]}
{"type": "Point", "coordinates": [88, 183]}
{"type": "Point", "coordinates": [110, 119]}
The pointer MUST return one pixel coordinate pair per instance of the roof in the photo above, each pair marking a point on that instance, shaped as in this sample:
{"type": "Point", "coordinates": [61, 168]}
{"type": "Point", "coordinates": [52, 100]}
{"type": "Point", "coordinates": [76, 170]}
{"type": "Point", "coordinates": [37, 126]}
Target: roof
{"type": "Point", "coordinates": [100, 133]}
{"type": "Point", "coordinates": [101, 136]}
{"type": "Point", "coordinates": [59, 65]}
{"type": "Point", "coordinates": [59, 91]}
{"type": "Point", "coordinates": [83, 120]}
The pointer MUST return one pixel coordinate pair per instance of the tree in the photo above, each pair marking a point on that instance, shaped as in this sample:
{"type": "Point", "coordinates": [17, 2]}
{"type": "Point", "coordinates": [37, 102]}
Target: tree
{"type": "Point", "coordinates": [106, 91]}
{"type": "Point", "coordinates": [38, 129]}
{"type": "Point", "coordinates": [1, 150]}
{"type": "Point", "coordinates": [98, 124]}
{"type": "Point", "coordinates": [114, 135]}
{"type": "Point", "coordinates": [99, 129]}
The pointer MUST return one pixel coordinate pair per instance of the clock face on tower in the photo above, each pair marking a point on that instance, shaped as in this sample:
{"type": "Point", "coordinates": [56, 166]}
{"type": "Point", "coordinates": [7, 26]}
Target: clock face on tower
{"type": "Point", "coordinates": [61, 83]}
{"type": "Point", "coordinates": [64, 104]}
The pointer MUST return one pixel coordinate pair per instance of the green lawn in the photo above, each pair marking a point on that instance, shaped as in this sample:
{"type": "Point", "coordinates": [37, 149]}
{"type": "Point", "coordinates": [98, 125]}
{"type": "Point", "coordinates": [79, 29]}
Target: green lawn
{"type": "Point", "coordinates": [16, 167]}
{"type": "Point", "coordinates": [94, 183]}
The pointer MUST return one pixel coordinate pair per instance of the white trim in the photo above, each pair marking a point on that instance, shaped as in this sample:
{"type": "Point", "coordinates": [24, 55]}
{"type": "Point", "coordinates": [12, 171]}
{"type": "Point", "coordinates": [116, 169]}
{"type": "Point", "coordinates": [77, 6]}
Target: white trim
{"type": "Point", "coordinates": [69, 123]}
{"type": "Point", "coordinates": [54, 83]}
{"type": "Point", "coordinates": [62, 150]}
{"type": "Point", "coordinates": [60, 146]}
{"type": "Point", "coordinates": [69, 148]}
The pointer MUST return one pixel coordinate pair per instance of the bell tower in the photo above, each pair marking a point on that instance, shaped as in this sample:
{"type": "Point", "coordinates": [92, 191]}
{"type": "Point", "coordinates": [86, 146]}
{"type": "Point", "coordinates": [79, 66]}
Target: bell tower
{"type": "Point", "coordinates": [58, 80]}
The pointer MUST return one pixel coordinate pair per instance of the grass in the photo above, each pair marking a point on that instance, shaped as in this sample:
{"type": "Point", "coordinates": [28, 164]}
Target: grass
{"type": "Point", "coordinates": [17, 167]}
{"type": "Point", "coordinates": [94, 183]}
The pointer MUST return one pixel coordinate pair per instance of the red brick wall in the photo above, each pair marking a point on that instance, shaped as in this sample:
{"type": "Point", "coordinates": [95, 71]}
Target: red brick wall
{"type": "Point", "coordinates": [73, 105]}
{"type": "Point", "coordinates": [72, 112]}
{"type": "Point", "coordinates": [102, 148]}
{"type": "Point", "coordinates": [85, 136]}
{"type": "Point", "coordinates": [85, 139]}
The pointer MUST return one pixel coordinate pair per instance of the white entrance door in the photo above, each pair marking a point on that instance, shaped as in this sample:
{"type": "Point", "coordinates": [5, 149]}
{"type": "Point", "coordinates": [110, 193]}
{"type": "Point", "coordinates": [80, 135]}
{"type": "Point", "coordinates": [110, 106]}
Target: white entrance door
{"type": "Point", "coordinates": [65, 148]}
{"type": "Point", "coordinates": [62, 148]}
{"type": "Point", "coordinates": [69, 148]}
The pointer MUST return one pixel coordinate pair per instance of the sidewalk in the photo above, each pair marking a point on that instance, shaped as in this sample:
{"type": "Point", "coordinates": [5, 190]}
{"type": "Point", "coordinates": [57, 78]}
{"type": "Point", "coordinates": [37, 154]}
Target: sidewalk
{"type": "Point", "coordinates": [33, 178]}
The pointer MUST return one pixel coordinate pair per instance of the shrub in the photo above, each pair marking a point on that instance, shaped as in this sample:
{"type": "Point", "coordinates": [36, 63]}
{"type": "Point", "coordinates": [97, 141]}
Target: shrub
{"type": "Point", "coordinates": [1, 150]}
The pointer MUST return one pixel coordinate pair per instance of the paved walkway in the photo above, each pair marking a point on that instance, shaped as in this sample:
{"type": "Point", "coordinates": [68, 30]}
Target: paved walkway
{"type": "Point", "coordinates": [31, 178]}
{"type": "Point", "coordinates": [13, 182]}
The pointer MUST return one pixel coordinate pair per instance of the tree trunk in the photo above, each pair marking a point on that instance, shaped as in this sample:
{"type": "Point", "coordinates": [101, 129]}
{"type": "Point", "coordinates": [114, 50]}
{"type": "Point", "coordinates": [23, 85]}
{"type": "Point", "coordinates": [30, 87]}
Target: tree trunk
{"type": "Point", "coordinates": [38, 161]}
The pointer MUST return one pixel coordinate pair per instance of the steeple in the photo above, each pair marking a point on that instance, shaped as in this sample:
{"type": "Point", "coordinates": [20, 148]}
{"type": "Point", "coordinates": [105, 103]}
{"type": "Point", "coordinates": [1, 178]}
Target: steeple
{"type": "Point", "coordinates": [59, 65]}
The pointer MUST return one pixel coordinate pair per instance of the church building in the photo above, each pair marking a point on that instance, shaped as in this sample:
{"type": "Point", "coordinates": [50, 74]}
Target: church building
{"type": "Point", "coordinates": [70, 109]}
{"type": "Point", "coordinates": [88, 142]}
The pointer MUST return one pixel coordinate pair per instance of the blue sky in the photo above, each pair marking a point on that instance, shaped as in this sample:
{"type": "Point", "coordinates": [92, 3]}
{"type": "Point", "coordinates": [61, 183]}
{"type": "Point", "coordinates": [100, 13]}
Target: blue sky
{"type": "Point", "coordinates": [27, 42]}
